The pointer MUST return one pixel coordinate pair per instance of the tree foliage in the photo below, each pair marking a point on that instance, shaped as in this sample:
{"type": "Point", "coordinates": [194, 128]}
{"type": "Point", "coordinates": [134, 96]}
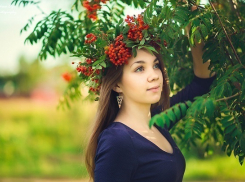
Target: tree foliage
{"type": "Point", "coordinates": [217, 116]}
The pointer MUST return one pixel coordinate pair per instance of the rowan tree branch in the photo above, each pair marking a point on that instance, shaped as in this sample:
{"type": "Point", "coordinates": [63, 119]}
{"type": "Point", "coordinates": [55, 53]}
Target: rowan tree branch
{"type": "Point", "coordinates": [228, 97]}
{"type": "Point", "coordinates": [226, 34]}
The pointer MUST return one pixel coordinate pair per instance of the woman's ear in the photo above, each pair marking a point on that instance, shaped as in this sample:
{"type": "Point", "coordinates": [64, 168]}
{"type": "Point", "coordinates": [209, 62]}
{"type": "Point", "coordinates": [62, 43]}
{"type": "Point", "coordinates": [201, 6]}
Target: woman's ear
{"type": "Point", "coordinates": [117, 89]}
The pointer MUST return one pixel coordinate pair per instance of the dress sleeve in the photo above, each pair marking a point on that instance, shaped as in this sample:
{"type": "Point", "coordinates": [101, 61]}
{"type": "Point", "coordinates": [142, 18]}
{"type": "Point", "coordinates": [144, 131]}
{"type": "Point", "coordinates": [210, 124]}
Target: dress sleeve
{"type": "Point", "coordinates": [198, 86]}
{"type": "Point", "coordinates": [115, 159]}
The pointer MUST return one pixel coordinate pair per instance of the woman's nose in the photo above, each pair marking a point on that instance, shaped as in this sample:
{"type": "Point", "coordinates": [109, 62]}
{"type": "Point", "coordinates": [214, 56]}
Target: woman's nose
{"type": "Point", "coordinates": [153, 75]}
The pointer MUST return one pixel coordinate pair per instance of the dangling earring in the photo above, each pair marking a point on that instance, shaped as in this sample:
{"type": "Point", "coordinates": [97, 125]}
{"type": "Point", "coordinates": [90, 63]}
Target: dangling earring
{"type": "Point", "coordinates": [119, 100]}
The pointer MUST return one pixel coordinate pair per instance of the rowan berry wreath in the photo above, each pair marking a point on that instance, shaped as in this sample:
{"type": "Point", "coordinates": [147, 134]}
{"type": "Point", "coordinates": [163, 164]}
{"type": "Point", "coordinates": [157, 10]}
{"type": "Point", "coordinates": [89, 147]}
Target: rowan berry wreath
{"type": "Point", "coordinates": [101, 49]}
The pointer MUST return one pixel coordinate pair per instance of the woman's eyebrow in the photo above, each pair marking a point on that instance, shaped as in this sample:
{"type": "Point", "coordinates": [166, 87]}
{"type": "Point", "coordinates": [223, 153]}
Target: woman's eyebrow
{"type": "Point", "coordinates": [141, 61]}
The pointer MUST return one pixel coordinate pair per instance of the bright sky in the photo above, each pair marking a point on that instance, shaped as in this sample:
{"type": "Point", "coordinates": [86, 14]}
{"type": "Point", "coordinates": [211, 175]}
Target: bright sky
{"type": "Point", "coordinates": [14, 18]}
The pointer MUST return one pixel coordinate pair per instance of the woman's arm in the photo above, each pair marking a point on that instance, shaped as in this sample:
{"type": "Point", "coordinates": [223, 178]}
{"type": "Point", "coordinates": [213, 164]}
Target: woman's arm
{"type": "Point", "coordinates": [200, 69]}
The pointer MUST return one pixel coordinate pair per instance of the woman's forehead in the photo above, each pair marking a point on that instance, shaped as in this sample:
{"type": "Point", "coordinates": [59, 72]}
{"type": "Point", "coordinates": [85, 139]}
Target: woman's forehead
{"type": "Point", "coordinates": [142, 55]}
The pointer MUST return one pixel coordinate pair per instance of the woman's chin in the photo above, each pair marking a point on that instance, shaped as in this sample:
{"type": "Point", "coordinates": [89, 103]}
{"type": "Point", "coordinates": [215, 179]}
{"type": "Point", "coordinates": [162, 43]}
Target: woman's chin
{"type": "Point", "coordinates": [155, 100]}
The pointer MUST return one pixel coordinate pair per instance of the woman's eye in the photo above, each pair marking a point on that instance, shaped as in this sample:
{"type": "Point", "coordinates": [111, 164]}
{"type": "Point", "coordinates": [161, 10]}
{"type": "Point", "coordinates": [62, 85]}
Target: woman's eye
{"type": "Point", "coordinates": [139, 68]}
{"type": "Point", "coordinates": [158, 65]}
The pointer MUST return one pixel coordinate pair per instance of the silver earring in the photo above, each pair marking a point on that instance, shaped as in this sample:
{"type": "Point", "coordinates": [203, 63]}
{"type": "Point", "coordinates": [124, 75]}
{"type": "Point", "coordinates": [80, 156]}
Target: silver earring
{"type": "Point", "coordinates": [119, 100]}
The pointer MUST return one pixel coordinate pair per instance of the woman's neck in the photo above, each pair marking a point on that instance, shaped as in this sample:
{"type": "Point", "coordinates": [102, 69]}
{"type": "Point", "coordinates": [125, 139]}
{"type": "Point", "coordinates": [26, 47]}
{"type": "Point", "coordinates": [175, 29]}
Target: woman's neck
{"type": "Point", "coordinates": [134, 114]}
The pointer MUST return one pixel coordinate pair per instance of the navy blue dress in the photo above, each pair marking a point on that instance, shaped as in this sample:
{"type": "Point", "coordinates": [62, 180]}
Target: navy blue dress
{"type": "Point", "coordinates": [123, 155]}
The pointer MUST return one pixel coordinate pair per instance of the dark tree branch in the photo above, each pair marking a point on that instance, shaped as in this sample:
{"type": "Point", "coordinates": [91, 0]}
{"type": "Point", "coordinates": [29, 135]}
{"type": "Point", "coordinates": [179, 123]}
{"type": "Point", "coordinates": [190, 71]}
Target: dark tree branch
{"type": "Point", "coordinates": [228, 97]}
{"type": "Point", "coordinates": [226, 34]}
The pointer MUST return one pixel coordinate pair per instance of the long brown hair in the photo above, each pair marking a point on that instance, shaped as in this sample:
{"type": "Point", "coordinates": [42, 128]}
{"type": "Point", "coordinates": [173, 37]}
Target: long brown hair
{"type": "Point", "coordinates": [108, 108]}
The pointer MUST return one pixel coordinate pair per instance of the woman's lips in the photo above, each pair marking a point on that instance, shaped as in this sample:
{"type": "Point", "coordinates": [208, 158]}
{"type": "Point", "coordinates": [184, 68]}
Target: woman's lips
{"type": "Point", "coordinates": [155, 89]}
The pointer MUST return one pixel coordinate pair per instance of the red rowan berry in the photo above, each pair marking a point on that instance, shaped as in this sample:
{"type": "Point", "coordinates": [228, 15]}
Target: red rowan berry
{"type": "Point", "coordinates": [90, 38]}
{"type": "Point", "coordinates": [89, 61]}
{"type": "Point", "coordinates": [97, 72]}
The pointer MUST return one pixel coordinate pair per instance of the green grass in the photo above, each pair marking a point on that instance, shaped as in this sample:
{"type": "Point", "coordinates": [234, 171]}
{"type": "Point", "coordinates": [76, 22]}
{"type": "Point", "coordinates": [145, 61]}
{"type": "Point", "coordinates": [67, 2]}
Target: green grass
{"type": "Point", "coordinates": [36, 140]}
{"type": "Point", "coordinates": [216, 168]}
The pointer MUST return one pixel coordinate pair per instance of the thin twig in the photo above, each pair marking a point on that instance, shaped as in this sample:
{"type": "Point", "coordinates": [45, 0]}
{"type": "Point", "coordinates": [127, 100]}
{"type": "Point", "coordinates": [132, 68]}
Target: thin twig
{"type": "Point", "coordinates": [38, 7]}
{"type": "Point", "coordinates": [228, 97]}
{"type": "Point", "coordinates": [226, 34]}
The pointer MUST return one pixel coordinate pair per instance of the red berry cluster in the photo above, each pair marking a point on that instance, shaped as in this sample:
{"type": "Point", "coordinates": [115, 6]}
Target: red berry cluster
{"type": "Point", "coordinates": [90, 38]}
{"type": "Point", "coordinates": [87, 71]}
{"type": "Point", "coordinates": [92, 8]}
{"type": "Point", "coordinates": [90, 61]}
{"type": "Point", "coordinates": [95, 89]}
{"type": "Point", "coordinates": [136, 27]}
{"type": "Point", "coordinates": [97, 85]}
{"type": "Point", "coordinates": [118, 52]}
{"type": "Point", "coordinates": [95, 80]}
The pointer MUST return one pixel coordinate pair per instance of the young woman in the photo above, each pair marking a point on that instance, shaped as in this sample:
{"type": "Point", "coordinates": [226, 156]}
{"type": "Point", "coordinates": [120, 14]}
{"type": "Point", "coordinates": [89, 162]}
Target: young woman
{"type": "Point", "coordinates": [122, 147]}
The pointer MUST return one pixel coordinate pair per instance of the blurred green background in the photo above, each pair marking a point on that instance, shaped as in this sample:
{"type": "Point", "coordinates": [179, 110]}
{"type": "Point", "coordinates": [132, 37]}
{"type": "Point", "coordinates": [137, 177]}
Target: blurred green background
{"type": "Point", "coordinates": [37, 141]}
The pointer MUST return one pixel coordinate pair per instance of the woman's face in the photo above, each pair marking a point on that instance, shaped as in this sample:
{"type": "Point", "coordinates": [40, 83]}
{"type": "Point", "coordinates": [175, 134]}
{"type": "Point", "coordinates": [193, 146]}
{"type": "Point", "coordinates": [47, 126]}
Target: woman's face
{"type": "Point", "coordinates": [139, 75]}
